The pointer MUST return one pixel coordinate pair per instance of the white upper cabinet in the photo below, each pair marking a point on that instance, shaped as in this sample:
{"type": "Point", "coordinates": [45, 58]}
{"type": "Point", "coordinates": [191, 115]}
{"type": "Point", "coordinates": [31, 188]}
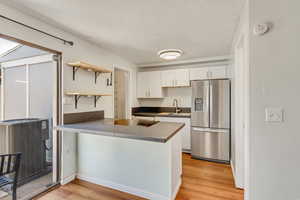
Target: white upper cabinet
{"type": "Point", "coordinates": [167, 78]}
{"type": "Point", "coordinates": [155, 89]}
{"type": "Point", "coordinates": [199, 73]}
{"type": "Point", "coordinates": [218, 72]}
{"type": "Point", "coordinates": [175, 78]}
{"type": "Point", "coordinates": [149, 85]}
{"type": "Point", "coordinates": [182, 78]}
{"type": "Point", "coordinates": [142, 86]}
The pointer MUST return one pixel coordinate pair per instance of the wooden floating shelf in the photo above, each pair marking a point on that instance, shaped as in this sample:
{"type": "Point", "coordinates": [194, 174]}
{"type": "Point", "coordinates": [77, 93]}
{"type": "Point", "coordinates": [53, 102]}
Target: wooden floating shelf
{"type": "Point", "coordinates": [86, 66]}
{"type": "Point", "coordinates": [83, 65]}
{"type": "Point", "coordinates": [77, 96]}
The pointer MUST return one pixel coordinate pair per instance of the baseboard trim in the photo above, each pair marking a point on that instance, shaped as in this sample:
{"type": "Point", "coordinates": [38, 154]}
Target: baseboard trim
{"type": "Point", "coordinates": [236, 183]}
{"type": "Point", "coordinates": [68, 179]}
{"type": "Point", "coordinates": [124, 188]}
{"type": "Point", "coordinates": [177, 189]}
{"type": "Point", "coordinates": [233, 173]}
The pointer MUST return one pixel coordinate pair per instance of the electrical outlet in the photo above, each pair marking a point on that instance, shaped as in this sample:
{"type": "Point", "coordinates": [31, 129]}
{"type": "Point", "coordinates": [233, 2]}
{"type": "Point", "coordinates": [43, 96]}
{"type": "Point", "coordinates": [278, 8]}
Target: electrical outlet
{"type": "Point", "coordinates": [274, 115]}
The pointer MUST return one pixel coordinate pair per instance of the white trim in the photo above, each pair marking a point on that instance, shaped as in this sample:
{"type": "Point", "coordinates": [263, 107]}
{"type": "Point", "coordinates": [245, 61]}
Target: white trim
{"type": "Point", "coordinates": [127, 94]}
{"type": "Point", "coordinates": [177, 189]}
{"type": "Point", "coordinates": [233, 172]}
{"type": "Point", "coordinates": [2, 92]}
{"type": "Point", "coordinates": [236, 184]}
{"type": "Point", "coordinates": [239, 111]}
{"type": "Point", "coordinates": [242, 33]}
{"type": "Point", "coordinates": [123, 188]}
{"type": "Point", "coordinates": [54, 121]}
{"type": "Point", "coordinates": [10, 50]}
{"type": "Point", "coordinates": [29, 61]}
{"type": "Point", "coordinates": [190, 61]}
{"type": "Point", "coordinates": [68, 179]}
{"type": "Point", "coordinates": [27, 91]}
{"type": "Point", "coordinates": [131, 88]}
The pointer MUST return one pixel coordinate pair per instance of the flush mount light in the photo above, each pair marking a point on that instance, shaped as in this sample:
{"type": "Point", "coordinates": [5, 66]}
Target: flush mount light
{"type": "Point", "coordinates": [170, 54]}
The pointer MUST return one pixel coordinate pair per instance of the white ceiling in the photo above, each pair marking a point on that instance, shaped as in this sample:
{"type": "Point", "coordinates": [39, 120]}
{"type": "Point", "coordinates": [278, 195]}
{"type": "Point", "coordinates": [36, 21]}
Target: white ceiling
{"type": "Point", "coordinates": [137, 29]}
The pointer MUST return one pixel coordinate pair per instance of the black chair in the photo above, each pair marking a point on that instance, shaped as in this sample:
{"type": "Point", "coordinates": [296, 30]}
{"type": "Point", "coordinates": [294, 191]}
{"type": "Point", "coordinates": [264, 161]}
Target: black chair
{"type": "Point", "coordinates": [9, 165]}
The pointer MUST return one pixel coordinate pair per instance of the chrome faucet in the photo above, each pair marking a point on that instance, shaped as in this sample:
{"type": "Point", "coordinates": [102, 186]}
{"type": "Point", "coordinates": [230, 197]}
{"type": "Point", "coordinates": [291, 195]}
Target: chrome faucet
{"type": "Point", "coordinates": [175, 103]}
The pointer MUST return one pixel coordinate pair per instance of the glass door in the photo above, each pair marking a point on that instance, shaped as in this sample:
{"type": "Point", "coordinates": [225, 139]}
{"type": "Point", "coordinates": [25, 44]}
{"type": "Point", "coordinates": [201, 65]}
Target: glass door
{"type": "Point", "coordinates": [29, 111]}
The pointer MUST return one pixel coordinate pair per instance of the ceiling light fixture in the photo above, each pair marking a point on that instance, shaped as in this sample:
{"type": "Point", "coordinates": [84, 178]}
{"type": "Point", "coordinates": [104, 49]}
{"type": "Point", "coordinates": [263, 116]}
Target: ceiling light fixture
{"type": "Point", "coordinates": [170, 54]}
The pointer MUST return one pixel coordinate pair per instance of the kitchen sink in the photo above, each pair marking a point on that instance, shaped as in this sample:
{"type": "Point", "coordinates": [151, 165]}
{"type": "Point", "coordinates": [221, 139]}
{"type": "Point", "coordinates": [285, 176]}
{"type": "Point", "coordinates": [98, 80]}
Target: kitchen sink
{"type": "Point", "coordinates": [174, 114]}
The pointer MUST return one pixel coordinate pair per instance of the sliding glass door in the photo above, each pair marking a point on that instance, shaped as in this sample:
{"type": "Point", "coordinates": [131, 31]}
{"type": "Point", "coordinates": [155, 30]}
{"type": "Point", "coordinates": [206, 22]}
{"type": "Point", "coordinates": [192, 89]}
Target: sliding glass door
{"type": "Point", "coordinates": [30, 97]}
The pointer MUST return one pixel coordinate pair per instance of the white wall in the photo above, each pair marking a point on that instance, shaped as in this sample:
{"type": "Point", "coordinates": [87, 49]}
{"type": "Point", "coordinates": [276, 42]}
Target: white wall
{"type": "Point", "coordinates": [183, 95]}
{"type": "Point", "coordinates": [239, 96]}
{"type": "Point", "coordinates": [82, 50]}
{"type": "Point", "coordinates": [274, 81]}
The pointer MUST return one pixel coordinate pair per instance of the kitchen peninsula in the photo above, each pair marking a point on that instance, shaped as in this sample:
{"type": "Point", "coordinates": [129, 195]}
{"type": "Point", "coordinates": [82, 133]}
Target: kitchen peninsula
{"type": "Point", "coordinates": [140, 157]}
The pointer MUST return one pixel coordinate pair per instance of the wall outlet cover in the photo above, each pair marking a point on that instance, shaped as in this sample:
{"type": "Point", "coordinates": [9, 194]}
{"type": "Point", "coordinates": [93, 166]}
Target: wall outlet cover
{"type": "Point", "coordinates": [274, 115]}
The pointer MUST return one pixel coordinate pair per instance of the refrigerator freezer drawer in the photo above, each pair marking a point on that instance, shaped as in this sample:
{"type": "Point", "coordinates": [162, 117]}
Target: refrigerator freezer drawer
{"type": "Point", "coordinates": [211, 144]}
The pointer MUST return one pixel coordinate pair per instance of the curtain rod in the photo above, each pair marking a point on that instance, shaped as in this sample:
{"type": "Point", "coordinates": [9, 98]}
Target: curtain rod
{"type": "Point", "coordinates": [38, 30]}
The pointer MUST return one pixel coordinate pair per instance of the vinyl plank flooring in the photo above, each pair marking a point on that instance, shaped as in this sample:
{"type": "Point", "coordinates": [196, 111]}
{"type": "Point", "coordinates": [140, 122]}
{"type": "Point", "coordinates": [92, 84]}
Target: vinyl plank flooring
{"type": "Point", "coordinates": [201, 180]}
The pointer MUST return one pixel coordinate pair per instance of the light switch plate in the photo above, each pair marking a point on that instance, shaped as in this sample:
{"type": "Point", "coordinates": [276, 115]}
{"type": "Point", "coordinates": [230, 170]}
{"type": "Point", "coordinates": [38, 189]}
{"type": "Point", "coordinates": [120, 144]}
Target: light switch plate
{"type": "Point", "coordinates": [274, 115]}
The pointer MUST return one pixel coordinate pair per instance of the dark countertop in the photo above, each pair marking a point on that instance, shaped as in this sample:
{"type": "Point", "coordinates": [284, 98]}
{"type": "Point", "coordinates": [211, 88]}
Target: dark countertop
{"type": "Point", "coordinates": [159, 132]}
{"type": "Point", "coordinates": [162, 114]}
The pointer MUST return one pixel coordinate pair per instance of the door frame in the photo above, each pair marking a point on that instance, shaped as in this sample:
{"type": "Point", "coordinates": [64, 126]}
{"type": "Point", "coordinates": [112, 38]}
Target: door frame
{"type": "Point", "coordinates": [128, 93]}
{"type": "Point", "coordinates": [57, 103]}
{"type": "Point", "coordinates": [241, 70]}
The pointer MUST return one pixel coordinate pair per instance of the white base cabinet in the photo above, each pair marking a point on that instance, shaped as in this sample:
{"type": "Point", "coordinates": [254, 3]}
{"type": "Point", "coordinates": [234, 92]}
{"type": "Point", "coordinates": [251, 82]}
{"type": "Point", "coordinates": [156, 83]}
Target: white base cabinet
{"type": "Point", "coordinates": [185, 131]}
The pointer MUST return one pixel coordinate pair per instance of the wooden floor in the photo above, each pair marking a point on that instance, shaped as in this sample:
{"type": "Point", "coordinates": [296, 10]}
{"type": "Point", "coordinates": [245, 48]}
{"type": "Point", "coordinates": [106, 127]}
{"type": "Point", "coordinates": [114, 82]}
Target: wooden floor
{"type": "Point", "coordinates": [201, 181]}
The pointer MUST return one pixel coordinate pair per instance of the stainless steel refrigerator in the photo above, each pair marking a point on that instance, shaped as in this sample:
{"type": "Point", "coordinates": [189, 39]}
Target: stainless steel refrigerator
{"type": "Point", "coordinates": [211, 120]}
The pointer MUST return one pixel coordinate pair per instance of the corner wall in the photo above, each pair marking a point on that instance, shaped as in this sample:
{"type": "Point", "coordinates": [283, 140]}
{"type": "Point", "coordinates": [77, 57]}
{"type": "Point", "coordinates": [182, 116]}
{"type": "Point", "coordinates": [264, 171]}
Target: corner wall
{"type": "Point", "coordinates": [239, 98]}
{"type": "Point", "coordinates": [275, 82]}
{"type": "Point", "coordinates": [81, 50]}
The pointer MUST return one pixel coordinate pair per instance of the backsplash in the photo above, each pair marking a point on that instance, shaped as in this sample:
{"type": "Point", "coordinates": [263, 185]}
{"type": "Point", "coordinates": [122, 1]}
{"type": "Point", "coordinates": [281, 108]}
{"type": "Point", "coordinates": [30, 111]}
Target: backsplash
{"type": "Point", "coordinates": [183, 95]}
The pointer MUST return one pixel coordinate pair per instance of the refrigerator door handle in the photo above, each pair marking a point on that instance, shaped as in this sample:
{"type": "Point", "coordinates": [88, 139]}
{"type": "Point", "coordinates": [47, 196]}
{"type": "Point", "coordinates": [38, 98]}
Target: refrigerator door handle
{"type": "Point", "coordinates": [200, 129]}
{"type": "Point", "coordinates": [210, 130]}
